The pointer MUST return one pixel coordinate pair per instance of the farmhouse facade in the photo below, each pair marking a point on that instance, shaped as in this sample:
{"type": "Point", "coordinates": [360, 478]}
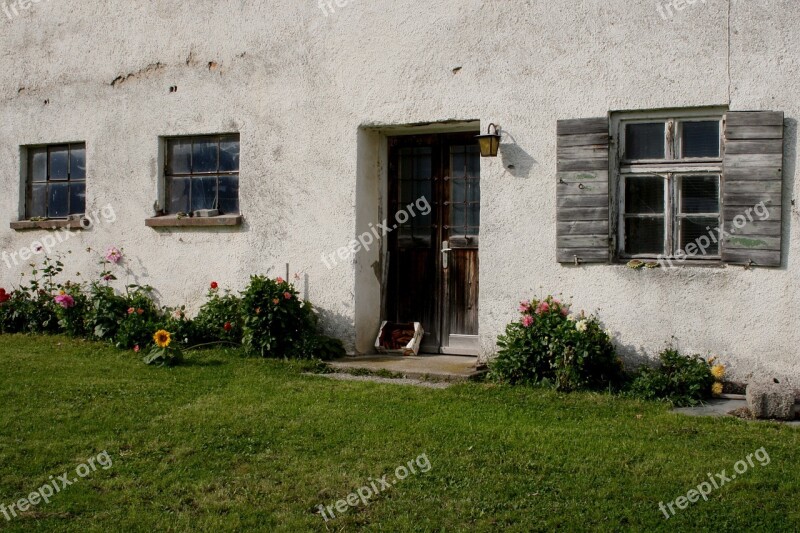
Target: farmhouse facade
{"type": "Point", "coordinates": [645, 171]}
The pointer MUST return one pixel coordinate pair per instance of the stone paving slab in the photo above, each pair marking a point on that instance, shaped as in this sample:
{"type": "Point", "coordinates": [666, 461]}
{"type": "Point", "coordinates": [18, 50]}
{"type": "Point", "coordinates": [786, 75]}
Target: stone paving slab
{"type": "Point", "coordinates": [438, 367]}
{"type": "Point", "coordinates": [390, 381]}
{"type": "Point", "coordinates": [718, 408]}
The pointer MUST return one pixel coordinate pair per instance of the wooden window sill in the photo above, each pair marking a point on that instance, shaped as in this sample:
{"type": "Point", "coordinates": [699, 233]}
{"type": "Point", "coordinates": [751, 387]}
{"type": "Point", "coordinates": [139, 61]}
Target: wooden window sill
{"type": "Point", "coordinates": [172, 221]}
{"type": "Point", "coordinates": [22, 225]}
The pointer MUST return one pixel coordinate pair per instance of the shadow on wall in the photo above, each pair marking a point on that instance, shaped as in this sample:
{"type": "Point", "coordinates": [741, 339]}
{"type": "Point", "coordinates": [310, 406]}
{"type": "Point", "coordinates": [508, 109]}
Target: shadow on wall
{"type": "Point", "coordinates": [789, 169]}
{"type": "Point", "coordinates": [516, 161]}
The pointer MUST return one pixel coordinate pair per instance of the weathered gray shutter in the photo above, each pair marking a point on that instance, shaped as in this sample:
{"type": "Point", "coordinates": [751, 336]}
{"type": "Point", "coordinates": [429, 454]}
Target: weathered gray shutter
{"type": "Point", "coordinates": [753, 173]}
{"type": "Point", "coordinates": [583, 200]}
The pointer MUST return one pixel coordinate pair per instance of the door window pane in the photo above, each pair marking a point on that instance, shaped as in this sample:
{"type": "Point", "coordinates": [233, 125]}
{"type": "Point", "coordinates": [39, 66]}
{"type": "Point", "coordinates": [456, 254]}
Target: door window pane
{"type": "Point", "coordinates": [645, 141]}
{"type": "Point", "coordinates": [39, 164]}
{"type": "Point", "coordinates": [700, 139]}
{"type": "Point", "coordinates": [699, 231]}
{"type": "Point", "coordinates": [644, 195]}
{"type": "Point", "coordinates": [204, 156]}
{"type": "Point", "coordinates": [179, 159]}
{"type": "Point", "coordinates": [77, 162]}
{"type": "Point", "coordinates": [77, 198]}
{"type": "Point", "coordinates": [699, 194]}
{"type": "Point", "coordinates": [179, 195]}
{"type": "Point", "coordinates": [644, 236]}
{"type": "Point", "coordinates": [204, 193]}
{"type": "Point", "coordinates": [59, 163]}
{"type": "Point", "coordinates": [58, 200]}
{"type": "Point", "coordinates": [229, 194]}
{"type": "Point", "coordinates": [38, 201]}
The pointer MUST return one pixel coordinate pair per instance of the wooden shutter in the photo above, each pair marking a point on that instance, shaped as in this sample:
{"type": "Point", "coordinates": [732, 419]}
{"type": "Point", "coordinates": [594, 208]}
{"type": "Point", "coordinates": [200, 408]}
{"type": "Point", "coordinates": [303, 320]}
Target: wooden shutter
{"type": "Point", "coordinates": [583, 200]}
{"type": "Point", "coordinates": [753, 173]}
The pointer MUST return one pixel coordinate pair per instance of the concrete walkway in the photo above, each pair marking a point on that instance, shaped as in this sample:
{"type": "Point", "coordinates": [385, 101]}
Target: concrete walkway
{"type": "Point", "coordinates": [437, 367]}
{"type": "Point", "coordinates": [721, 407]}
{"type": "Point", "coordinates": [387, 381]}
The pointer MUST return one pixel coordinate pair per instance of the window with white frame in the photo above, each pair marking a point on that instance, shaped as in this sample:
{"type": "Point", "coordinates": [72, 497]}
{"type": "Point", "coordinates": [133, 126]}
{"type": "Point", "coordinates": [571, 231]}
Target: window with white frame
{"type": "Point", "coordinates": [670, 169]}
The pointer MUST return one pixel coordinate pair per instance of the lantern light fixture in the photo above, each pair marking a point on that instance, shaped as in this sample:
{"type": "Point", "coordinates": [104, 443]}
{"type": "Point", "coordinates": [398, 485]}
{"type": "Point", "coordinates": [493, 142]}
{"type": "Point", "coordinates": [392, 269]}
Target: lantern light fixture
{"type": "Point", "coordinates": [489, 143]}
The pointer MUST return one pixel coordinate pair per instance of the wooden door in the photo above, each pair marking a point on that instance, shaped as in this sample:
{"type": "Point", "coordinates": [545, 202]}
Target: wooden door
{"type": "Point", "coordinates": [433, 255]}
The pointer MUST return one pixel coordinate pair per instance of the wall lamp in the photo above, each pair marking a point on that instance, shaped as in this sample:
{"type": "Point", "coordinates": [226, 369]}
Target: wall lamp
{"type": "Point", "coordinates": [490, 142]}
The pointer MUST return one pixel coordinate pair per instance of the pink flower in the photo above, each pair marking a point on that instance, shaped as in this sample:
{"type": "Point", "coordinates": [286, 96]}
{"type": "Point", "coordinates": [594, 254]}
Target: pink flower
{"type": "Point", "coordinates": [287, 295]}
{"type": "Point", "coordinates": [543, 307]}
{"type": "Point", "coordinates": [279, 280]}
{"type": "Point", "coordinates": [527, 321]}
{"type": "Point", "coordinates": [114, 255]}
{"type": "Point", "coordinates": [108, 277]}
{"type": "Point", "coordinates": [131, 310]}
{"type": "Point", "coordinates": [65, 300]}
{"type": "Point", "coordinates": [136, 348]}
{"type": "Point", "coordinates": [525, 306]}
{"type": "Point", "coordinates": [564, 311]}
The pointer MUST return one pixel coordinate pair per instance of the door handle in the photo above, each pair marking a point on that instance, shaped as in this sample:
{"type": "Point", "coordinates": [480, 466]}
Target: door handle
{"type": "Point", "coordinates": [445, 248]}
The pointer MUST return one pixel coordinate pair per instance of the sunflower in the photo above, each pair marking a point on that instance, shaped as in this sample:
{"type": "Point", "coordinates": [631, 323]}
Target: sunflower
{"type": "Point", "coordinates": [162, 338]}
{"type": "Point", "coordinates": [718, 371]}
{"type": "Point", "coordinates": [716, 389]}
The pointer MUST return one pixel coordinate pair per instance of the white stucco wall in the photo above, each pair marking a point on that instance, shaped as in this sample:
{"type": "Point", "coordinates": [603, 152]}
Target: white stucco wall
{"type": "Point", "coordinates": [308, 92]}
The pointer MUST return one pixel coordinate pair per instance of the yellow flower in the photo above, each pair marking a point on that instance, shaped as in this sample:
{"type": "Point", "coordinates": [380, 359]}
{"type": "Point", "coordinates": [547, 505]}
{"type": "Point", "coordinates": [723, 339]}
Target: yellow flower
{"type": "Point", "coordinates": [718, 371]}
{"type": "Point", "coordinates": [716, 389]}
{"type": "Point", "coordinates": [162, 338]}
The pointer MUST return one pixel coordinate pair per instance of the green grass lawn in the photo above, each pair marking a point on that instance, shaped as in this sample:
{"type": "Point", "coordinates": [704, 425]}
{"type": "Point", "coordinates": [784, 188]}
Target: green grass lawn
{"type": "Point", "coordinates": [230, 443]}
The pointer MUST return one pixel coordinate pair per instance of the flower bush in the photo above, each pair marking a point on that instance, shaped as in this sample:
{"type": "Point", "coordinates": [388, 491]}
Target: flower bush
{"type": "Point", "coordinates": [220, 318]}
{"type": "Point", "coordinates": [682, 380]}
{"type": "Point", "coordinates": [548, 344]}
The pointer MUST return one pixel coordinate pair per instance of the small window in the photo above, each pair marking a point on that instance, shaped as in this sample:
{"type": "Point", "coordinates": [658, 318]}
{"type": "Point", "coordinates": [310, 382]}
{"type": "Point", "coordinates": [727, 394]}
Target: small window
{"type": "Point", "coordinates": [670, 187]}
{"type": "Point", "coordinates": [203, 173]}
{"type": "Point", "coordinates": [56, 181]}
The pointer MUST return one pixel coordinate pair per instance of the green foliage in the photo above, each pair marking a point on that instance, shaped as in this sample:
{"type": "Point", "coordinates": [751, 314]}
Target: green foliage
{"type": "Point", "coordinates": [141, 318]}
{"type": "Point", "coordinates": [106, 313]}
{"type": "Point", "coordinates": [72, 320]}
{"type": "Point", "coordinates": [220, 318]}
{"type": "Point", "coordinates": [275, 319]}
{"type": "Point", "coordinates": [682, 380]}
{"type": "Point", "coordinates": [167, 356]}
{"type": "Point", "coordinates": [548, 345]}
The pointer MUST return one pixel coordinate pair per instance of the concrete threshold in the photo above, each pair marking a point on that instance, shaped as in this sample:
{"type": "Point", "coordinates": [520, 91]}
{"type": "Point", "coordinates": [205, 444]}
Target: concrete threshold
{"type": "Point", "coordinates": [452, 368]}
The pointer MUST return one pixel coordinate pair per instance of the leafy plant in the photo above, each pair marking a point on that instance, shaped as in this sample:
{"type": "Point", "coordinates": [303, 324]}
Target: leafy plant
{"type": "Point", "coordinates": [220, 318]}
{"type": "Point", "coordinates": [106, 312]}
{"type": "Point", "coordinates": [682, 380]}
{"type": "Point", "coordinates": [164, 352]}
{"type": "Point", "coordinates": [72, 311]}
{"type": "Point", "coordinates": [551, 346]}
{"type": "Point", "coordinates": [275, 319]}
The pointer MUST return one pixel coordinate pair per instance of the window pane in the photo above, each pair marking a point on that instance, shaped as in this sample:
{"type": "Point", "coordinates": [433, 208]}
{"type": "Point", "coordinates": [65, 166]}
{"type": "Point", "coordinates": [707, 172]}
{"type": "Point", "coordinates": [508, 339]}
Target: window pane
{"type": "Point", "coordinates": [229, 156]}
{"type": "Point", "coordinates": [699, 194]}
{"type": "Point", "coordinates": [57, 201]}
{"type": "Point", "coordinates": [474, 190]}
{"type": "Point", "coordinates": [458, 218]}
{"type": "Point", "coordinates": [700, 139]}
{"type": "Point", "coordinates": [229, 194]}
{"type": "Point", "coordinates": [204, 193]}
{"type": "Point", "coordinates": [699, 231]}
{"type": "Point", "coordinates": [77, 198]}
{"type": "Point", "coordinates": [473, 162]}
{"type": "Point", "coordinates": [179, 194]}
{"type": "Point", "coordinates": [77, 163]}
{"type": "Point", "coordinates": [204, 156]}
{"type": "Point", "coordinates": [644, 236]}
{"type": "Point", "coordinates": [644, 195]}
{"type": "Point", "coordinates": [59, 163]}
{"type": "Point", "coordinates": [473, 218]}
{"type": "Point", "coordinates": [179, 156]}
{"type": "Point", "coordinates": [38, 201]}
{"type": "Point", "coordinates": [645, 141]}
{"type": "Point", "coordinates": [458, 189]}
{"type": "Point", "coordinates": [423, 167]}
{"type": "Point", "coordinates": [39, 164]}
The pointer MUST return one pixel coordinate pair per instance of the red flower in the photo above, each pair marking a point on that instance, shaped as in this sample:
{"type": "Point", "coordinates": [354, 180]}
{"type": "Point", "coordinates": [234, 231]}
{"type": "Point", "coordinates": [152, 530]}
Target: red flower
{"type": "Point", "coordinates": [214, 285]}
{"type": "Point", "coordinates": [4, 297]}
{"type": "Point", "coordinates": [287, 295]}
{"type": "Point", "coordinates": [227, 326]}
{"type": "Point", "coordinates": [140, 311]}
{"type": "Point", "coordinates": [136, 348]}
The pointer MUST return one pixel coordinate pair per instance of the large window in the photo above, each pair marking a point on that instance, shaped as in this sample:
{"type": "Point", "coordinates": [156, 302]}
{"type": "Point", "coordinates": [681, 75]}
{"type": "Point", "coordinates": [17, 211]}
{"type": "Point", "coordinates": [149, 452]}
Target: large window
{"type": "Point", "coordinates": [56, 182]}
{"type": "Point", "coordinates": [670, 187]}
{"type": "Point", "coordinates": [203, 173]}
